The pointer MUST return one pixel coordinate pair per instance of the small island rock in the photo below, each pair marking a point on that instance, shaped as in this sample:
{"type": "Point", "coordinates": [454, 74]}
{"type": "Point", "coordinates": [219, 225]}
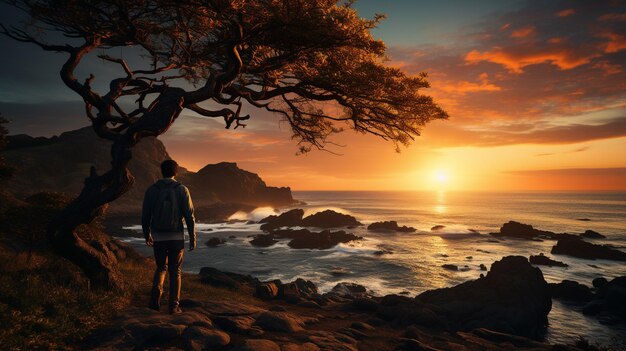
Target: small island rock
{"type": "Point", "coordinates": [214, 242]}
{"type": "Point", "coordinates": [546, 261]}
{"type": "Point", "coordinates": [592, 234]}
{"type": "Point", "coordinates": [390, 226]}
{"type": "Point", "coordinates": [582, 249]}
{"type": "Point", "coordinates": [329, 219]}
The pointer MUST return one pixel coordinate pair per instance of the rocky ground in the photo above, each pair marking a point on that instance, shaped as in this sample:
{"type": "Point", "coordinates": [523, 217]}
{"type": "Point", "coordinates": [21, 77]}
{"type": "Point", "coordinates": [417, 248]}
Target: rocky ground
{"type": "Point", "coordinates": [485, 314]}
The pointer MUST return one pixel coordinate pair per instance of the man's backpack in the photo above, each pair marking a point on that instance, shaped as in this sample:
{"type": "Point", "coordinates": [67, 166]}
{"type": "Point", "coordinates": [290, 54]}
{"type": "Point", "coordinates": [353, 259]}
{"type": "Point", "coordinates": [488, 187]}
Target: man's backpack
{"type": "Point", "coordinates": [166, 214]}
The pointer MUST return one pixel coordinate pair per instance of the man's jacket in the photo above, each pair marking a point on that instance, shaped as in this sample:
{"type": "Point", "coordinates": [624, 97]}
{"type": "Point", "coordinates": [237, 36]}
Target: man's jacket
{"type": "Point", "coordinates": [167, 201]}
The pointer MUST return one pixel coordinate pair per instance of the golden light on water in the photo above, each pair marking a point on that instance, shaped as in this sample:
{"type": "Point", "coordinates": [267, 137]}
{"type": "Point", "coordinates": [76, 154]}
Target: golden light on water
{"type": "Point", "coordinates": [441, 207]}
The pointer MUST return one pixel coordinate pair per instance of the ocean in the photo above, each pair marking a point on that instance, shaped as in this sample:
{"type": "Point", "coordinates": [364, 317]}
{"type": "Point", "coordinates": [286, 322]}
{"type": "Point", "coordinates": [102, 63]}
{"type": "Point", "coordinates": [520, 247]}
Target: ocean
{"type": "Point", "coordinates": [413, 261]}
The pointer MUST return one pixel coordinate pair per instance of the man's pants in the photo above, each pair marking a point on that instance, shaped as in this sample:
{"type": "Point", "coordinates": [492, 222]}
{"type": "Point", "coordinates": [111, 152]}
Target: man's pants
{"type": "Point", "coordinates": [169, 256]}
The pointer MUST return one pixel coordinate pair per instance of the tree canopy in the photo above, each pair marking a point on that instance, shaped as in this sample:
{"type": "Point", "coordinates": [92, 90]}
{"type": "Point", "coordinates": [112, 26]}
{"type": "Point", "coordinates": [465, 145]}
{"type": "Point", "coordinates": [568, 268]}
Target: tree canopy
{"type": "Point", "coordinates": [313, 62]}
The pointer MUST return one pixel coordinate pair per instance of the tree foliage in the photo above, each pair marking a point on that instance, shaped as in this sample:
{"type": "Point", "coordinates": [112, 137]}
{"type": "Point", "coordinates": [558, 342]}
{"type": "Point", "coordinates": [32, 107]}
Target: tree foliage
{"type": "Point", "coordinates": [313, 62]}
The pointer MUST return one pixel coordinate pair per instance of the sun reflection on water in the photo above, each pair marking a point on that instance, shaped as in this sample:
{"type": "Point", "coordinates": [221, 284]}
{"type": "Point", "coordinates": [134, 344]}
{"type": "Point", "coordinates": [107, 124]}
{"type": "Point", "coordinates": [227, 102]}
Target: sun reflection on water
{"type": "Point", "coordinates": [440, 200]}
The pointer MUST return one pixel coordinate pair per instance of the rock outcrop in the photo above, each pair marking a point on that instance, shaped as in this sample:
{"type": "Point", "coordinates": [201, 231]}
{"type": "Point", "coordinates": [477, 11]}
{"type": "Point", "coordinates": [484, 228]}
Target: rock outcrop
{"type": "Point", "coordinates": [513, 298]}
{"type": "Point", "coordinates": [263, 240]}
{"type": "Point", "coordinates": [608, 302]}
{"type": "Point", "coordinates": [592, 234]}
{"type": "Point", "coordinates": [390, 226]}
{"type": "Point", "coordinates": [450, 267]}
{"type": "Point", "coordinates": [542, 260]}
{"type": "Point", "coordinates": [290, 218]}
{"type": "Point", "coordinates": [314, 322]}
{"type": "Point", "coordinates": [305, 239]}
{"type": "Point", "coordinates": [322, 240]}
{"type": "Point", "coordinates": [214, 242]}
{"type": "Point", "coordinates": [329, 219]}
{"type": "Point", "coordinates": [293, 218]}
{"type": "Point", "coordinates": [217, 278]}
{"type": "Point", "coordinates": [229, 183]}
{"type": "Point", "coordinates": [519, 230]}
{"type": "Point", "coordinates": [571, 290]}
{"type": "Point", "coordinates": [579, 248]}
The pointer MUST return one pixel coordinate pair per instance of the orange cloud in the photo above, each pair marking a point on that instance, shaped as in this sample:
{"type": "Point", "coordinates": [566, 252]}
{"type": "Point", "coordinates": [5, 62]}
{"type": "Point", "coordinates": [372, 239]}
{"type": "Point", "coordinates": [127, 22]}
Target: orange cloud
{"type": "Point", "coordinates": [566, 13]}
{"type": "Point", "coordinates": [608, 68]}
{"type": "Point", "coordinates": [540, 133]}
{"type": "Point", "coordinates": [464, 87]}
{"type": "Point", "coordinates": [523, 32]}
{"type": "Point", "coordinates": [515, 61]}
{"type": "Point", "coordinates": [613, 17]}
{"type": "Point", "coordinates": [616, 42]}
{"type": "Point", "coordinates": [555, 40]}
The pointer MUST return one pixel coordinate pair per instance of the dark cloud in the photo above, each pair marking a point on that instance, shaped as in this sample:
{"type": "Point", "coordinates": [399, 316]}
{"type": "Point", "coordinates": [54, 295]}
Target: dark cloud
{"type": "Point", "coordinates": [546, 60]}
{"type": "Point", "coordinates": [451, 135]}
{"type": "Point", "coordinates": [581, 149]}
{"type": "Point", "coordinates": [587, 172]}
{"type": "Point", "coordinates": [44, 119]}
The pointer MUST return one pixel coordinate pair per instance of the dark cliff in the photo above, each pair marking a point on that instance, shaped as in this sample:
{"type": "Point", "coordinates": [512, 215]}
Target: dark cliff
{"type": "Point", "coordinates": [61, 163]}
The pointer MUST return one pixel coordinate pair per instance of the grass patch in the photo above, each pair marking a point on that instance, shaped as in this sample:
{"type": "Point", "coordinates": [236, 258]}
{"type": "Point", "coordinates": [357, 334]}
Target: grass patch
{"type": "Point", "coordinates": [46, 302]}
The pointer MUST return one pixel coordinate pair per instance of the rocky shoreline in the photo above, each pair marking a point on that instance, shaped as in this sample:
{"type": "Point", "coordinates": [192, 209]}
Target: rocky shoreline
{"type": "Point", "coordinates": [505, 310]}
{"type": "Point", "coordinates": [509, 304]}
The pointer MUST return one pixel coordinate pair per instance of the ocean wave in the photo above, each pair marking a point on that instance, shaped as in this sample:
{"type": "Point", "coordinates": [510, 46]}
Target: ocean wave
{"type": "Point", "coordinates": [255, 215]}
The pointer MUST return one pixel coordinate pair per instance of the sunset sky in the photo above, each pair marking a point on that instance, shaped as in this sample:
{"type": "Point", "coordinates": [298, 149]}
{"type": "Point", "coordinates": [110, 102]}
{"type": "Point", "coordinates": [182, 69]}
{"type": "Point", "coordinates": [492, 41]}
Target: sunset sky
{"type": "Point", "coordinates": [536, 92]}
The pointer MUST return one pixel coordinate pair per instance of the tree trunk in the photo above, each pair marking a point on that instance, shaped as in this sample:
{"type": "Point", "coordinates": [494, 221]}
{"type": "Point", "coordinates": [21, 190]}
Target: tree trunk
{"type": "Point", "coordinates": [99, 190]}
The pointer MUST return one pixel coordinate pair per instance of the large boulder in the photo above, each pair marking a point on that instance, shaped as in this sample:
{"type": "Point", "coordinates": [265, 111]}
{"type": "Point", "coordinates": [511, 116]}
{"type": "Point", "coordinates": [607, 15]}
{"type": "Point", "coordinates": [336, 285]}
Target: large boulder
{"type": "Point", "coordinates": [214, 242]}
{"type": "Point", "coordinates": [519, 230]}
{"type": "Point", "coordinates": [390, 226]}
{"type": "Point", "coordinates": [268, 290]}
{"type": "Point", "coordinates": [329, 219]}
{"type": "Point", "coordinates": [217, 278]}
{"type": "Point", "coordinates": [349, 290]}
{"type": "Point", "coordinates": [571, 290]}
{"type": "Point", "coordinates": [293, 291]}
{"type": "Point", "coordinates": [512, 298]}
{"type": "Point", "coordinates": [582, 249]}
{"type": "Point", "coordinates": [290, 218]}
{"type": "Point", "coordinates": [263, 240]}
{"type": "Point", "coordinates": [258, 345]}
{"type": "Point", "coordinates": [609, 300]}
{"type": "Point", "coordinates": [280, 322]}
{"type": "Point", "coordinates": [322, 240]}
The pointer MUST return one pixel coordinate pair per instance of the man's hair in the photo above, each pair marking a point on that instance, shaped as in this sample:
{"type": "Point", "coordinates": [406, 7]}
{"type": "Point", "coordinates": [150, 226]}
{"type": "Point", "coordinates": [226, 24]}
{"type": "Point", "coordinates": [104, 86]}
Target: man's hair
{"type": "Point", "coordinates": [169, 168]}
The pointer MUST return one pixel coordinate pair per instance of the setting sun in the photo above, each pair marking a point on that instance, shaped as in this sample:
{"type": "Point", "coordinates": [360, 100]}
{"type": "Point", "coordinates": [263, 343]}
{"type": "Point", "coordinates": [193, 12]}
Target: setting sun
{"type": "Point", "coordinates": [441, 177]}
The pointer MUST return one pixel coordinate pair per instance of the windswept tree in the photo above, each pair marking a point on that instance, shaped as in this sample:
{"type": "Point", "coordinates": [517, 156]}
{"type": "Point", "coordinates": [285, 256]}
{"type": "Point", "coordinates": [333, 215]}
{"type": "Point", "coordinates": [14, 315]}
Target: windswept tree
{"type": "Point", "coordinates": [314, 63]}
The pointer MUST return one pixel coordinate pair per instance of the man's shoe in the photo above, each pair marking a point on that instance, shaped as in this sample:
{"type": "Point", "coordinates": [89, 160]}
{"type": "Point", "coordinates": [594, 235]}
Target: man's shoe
{"type": "Point", "coordinates": [175, 310]}
{"type": "Point", "coordinates": [154, 307]}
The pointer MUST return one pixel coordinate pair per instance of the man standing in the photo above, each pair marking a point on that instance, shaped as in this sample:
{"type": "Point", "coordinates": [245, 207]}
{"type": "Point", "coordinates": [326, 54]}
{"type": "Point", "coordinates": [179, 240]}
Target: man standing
{"type": "Point", "coordinates": [165, 205]}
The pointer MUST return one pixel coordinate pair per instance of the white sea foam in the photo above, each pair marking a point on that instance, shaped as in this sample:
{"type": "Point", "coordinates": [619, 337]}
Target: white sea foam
{"type": "Point", "coordinates": [255, 215]}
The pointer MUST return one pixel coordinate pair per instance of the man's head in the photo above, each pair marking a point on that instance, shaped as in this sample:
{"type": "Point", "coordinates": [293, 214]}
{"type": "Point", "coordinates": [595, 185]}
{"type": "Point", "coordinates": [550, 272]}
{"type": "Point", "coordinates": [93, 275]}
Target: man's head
{"type": "Point", "coordinates": [169, 168]}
